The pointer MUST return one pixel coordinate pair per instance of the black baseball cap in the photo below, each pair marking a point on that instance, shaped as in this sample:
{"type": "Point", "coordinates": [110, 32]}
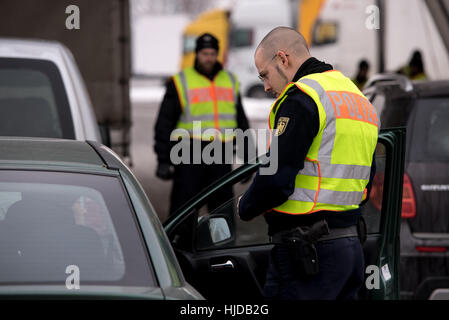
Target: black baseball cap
{"type": "Point", "coordinates": [206, 40]}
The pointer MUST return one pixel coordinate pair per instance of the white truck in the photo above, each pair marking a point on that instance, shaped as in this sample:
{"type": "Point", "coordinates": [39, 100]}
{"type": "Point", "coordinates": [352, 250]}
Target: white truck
{"type": "Point", "coordinates": [250, 22]}
{"type": "Point", "coordinates": [346, 32]}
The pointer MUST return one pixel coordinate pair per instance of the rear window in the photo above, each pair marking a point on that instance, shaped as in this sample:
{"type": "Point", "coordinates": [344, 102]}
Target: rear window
{"type": "Point", "coordinates": [395, 111]}
{"type": "Point", "coordinates": [33, 101]}
{"type": "Point", "coordinates": [50, 222]}
{"type": "Point", "coordinates": [429, 130]}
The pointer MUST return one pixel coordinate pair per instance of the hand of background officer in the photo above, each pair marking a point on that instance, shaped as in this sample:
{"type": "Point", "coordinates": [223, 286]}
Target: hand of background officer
{"type": "Point", "coordinates": [164, 171]}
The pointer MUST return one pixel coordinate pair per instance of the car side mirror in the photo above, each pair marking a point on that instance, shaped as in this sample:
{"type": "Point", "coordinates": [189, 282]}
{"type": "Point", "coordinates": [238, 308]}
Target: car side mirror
{"type": "Point", "coordinates": [213, 231]}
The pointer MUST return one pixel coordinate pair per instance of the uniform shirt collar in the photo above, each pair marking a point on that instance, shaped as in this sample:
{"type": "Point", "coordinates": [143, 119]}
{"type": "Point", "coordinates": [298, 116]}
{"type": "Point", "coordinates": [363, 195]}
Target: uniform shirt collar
{"type": "Point", "coordinates": [311, 65]}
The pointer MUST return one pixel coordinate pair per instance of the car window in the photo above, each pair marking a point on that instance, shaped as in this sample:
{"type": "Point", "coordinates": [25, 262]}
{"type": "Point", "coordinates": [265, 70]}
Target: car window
{"type": "Point", "coordinates": [255, 232]}
{"type": "Point", "coordinates": [396, 112]}
{"type": "Point", "coordinates": [245, 233]}
{"type": "Point", "coordinates": [241, 37]}
{"type": "Point", "coordinates": [429, 129]}
{"type": "Point", "coordinates": [50, 221]}
{"type": "Point", "coordinates": [33, 101]}
{"type": "Point", "coordinates": [324, 32]}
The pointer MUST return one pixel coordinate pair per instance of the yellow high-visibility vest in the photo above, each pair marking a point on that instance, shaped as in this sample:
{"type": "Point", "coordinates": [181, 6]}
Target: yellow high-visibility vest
{"type": "Point", "coordinates": [338, 164]}
{"type": "Point", "coordinates": [213, 103]}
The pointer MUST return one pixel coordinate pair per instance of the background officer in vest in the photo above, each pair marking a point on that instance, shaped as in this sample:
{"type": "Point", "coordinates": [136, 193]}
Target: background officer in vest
{"type": "Point", "coordinates": [205, 93]}
{"type": "Point", "coordinates": [310, 187]}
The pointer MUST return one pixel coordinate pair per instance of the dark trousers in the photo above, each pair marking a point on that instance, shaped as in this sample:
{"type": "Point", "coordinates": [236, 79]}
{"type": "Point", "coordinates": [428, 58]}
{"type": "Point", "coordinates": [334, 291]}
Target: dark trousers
{"type": "Point", "coordinates": [190, 179]}
{"type": "Point", "coordinates": [341, 273]}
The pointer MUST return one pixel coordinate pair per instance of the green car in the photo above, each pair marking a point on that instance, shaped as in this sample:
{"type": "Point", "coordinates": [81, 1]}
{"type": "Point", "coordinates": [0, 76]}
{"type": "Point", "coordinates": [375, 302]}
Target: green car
{"type": "Point", "coordinates": [75, 223]}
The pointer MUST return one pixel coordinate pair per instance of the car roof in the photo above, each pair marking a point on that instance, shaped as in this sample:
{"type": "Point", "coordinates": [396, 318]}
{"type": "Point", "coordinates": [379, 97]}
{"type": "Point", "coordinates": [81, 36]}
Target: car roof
{"type": "Point", "coordinates": [27, 48]}
{"type": "Point", "coordinates": [431, 88]}
{"type": "Point", "coordinates": [17, 151]}
{"type": "Point", "coordinates": [428, 88]}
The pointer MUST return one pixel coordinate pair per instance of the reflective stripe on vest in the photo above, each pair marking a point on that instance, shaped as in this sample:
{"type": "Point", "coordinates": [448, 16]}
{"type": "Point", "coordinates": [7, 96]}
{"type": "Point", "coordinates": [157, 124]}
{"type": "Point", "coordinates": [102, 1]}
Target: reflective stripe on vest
{"type": "Point", "coordinates": [338, 164]}
{"type": "Point", "coordinates": [211, 103]}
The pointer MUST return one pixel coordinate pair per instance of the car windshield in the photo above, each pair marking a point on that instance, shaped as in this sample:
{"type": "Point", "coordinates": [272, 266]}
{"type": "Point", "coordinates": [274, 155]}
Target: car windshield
{"type": "Point", "coordinates": [33, 101]}
{"type": "Point", "coordinates": [53, 225]}
{"type": "Point", "coordinates": [429, 130]}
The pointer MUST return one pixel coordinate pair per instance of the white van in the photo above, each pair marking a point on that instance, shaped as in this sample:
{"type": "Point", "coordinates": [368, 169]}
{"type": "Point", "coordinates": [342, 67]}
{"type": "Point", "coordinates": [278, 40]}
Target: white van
{"type": "Point", "coordinates": [250, 22]}
{"type": "Point", "coordinates": [42, 93]}
{"type": "Point", "coordinates": [345, 33]}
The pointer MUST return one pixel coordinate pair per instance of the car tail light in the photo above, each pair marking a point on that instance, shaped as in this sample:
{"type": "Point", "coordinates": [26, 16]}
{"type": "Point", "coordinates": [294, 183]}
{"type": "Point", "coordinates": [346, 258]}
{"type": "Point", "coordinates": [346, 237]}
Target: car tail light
{"type": "Point", "coordinates": [431, 249]}
{"type": "Point", "coordinates": [408, 199]}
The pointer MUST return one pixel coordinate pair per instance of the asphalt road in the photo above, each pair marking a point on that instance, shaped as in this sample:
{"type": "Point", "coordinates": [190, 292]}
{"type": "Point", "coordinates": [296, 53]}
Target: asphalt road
{"type": "Point", "coordinates": [144, 159]}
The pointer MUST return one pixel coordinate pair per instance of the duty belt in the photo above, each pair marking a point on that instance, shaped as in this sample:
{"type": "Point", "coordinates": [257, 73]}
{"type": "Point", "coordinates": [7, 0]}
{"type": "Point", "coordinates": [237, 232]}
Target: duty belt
{"type": "Point", "coordinates": [335, 233]}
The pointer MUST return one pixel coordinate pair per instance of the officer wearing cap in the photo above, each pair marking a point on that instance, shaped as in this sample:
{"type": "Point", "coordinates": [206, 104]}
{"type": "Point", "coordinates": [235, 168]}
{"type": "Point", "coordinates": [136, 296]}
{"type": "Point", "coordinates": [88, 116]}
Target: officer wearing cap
{"type": "Point", "coordinates": [207, 95]}
{"type": "Point", "coordinates": [325, 132]}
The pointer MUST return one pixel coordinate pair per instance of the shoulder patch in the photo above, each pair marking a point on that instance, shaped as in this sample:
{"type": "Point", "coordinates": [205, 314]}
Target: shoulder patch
{"type": "Point", "coordinates": [281, 125]}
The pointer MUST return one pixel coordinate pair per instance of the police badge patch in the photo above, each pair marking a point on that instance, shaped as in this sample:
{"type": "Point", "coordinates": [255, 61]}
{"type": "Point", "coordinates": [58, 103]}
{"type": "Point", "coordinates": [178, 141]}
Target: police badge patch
{"type": "Point", "coordinates": [281, 126]}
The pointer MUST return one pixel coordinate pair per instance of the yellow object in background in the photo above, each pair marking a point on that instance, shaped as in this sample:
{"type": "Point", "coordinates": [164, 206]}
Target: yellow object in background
{"type": "Point", "coordinates": [215, 22]}
{"type": "Point", "coordinates": [308, 11]}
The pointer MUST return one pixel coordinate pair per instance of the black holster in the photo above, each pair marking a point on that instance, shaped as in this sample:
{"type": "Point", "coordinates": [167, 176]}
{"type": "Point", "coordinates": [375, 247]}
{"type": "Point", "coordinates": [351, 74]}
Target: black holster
{"type": "Point", "coordinates": [301, 247]}
{"type": "Point", "coordinates": [303, 256]}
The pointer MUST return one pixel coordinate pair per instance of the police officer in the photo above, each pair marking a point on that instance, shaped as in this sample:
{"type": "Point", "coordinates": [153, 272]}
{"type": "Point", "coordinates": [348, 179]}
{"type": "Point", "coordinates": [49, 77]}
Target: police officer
{"type": "Point", "coordinates": [361, 77]}
{"type": "Point", "coordinates": [326, 133]}
{"type": "Point", "coordinates": [207, 95]}
{"type": "Point", "coordinates": [415, 68]}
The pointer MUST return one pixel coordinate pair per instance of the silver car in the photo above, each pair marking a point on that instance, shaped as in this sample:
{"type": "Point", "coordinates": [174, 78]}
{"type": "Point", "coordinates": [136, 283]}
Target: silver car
{"type": "Point", "coordinates": [42, 93]}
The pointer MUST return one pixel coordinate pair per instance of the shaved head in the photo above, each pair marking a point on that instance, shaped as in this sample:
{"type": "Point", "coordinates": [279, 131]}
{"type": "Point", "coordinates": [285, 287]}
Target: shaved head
{"type": "Point", "coordinates": [286, 39]}
{"type": "Point", "coordinates": [279, 56]}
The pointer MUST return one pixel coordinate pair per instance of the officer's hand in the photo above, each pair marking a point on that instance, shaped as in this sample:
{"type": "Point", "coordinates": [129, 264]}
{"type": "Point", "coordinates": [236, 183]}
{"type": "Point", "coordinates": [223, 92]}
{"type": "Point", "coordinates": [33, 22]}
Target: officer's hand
{"type": "Point", "coordinates": [164, 171]}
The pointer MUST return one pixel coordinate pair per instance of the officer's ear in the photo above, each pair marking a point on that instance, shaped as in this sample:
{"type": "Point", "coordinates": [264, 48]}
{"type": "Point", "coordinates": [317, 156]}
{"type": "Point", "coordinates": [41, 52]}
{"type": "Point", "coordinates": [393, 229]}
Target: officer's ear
{"type": "Point", "coordinates": [283, 58]}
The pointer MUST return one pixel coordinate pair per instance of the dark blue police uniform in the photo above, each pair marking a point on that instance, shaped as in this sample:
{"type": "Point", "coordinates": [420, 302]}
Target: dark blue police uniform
{"type": "Point", "coordinates": [341, 262]}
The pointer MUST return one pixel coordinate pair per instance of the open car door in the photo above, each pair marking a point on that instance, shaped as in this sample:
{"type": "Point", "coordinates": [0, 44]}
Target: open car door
{"type": "Point", "coordinates": [224, 257]}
